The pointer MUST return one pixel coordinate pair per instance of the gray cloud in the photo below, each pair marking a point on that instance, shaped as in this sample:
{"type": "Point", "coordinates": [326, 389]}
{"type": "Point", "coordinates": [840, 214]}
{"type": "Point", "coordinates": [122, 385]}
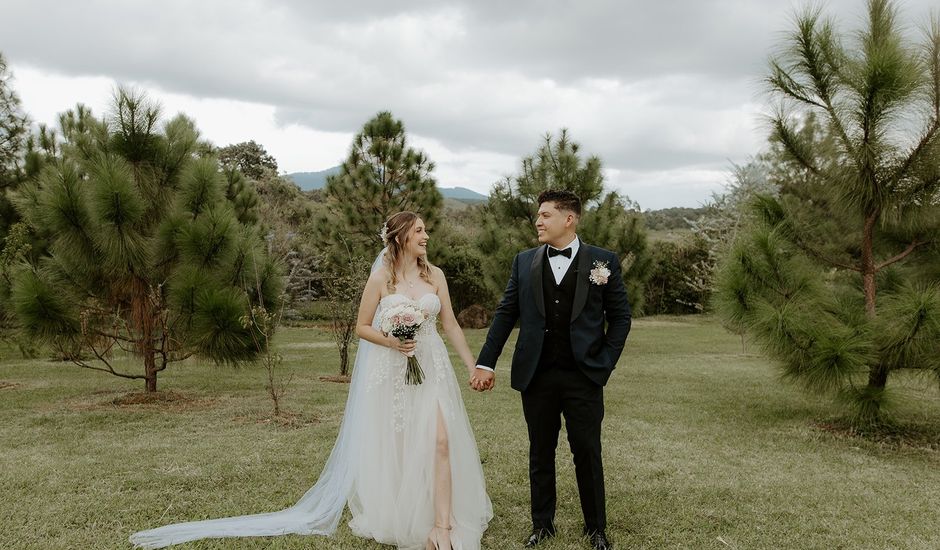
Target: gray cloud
{"type": "Point", "coordinates": [648, 86]}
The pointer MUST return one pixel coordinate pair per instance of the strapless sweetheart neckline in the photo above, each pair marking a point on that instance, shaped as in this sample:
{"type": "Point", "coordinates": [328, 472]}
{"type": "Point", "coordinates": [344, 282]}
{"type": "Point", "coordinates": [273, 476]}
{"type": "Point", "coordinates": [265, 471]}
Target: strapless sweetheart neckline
{"type": "Point", "coordinates": [418, 299]}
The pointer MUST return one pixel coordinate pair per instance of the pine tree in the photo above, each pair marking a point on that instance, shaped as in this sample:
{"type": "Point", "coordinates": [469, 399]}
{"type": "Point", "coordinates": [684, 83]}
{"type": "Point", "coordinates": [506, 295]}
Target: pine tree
{"type": "Point", "coordinates": [242, 194]}
{"type": "Point", "coordinates": [608, 220]}
{"type": "Point", "coordinates": [837, 277]}
{"type": "Point", "coordinates": [151, 252]}
{"type": "Point", "coordinates": [14, 131]}
{"type": "Point", "coordinates": [381, 176]}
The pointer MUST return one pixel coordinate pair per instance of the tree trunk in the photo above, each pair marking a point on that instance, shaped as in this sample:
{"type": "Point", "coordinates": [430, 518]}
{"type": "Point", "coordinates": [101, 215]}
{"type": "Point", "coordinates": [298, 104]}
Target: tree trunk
{"type": "Point", "coordinates": [877, 374]}
{"type": "Point", "coordinates": [877, 377]}
{"type": "Point", "coordinates": [145, 346]}
{"type": "Point", "coordinates": [344, 358]}
{"type": "Point", "coordinates": [868, 263]}
{"type": "Point", "coordinates": [150, 368]}
{"type": "Point", "coordinates": [272, 388]}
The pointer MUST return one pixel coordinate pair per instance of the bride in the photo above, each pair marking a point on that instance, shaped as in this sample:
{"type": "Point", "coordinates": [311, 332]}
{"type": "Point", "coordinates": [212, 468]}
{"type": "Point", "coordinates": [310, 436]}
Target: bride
{"type": "Point", "coordinates": [405, 461]}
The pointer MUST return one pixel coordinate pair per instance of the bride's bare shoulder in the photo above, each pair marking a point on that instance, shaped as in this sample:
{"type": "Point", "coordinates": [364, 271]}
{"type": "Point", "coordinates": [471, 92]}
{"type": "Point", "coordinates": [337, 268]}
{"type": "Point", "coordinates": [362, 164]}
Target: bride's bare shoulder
{"type": "Point", "coordinates": [380, 274]}
{"type": "Point", "coordinates": [378, 279]}
{"type": "Point", "coordinates": [437, 274]}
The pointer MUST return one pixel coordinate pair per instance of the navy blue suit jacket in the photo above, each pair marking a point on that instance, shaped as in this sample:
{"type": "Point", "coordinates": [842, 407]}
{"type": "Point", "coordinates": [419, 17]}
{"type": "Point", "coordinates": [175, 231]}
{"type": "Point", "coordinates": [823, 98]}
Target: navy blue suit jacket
{"type": "Point", "coordinates": [596, 348]}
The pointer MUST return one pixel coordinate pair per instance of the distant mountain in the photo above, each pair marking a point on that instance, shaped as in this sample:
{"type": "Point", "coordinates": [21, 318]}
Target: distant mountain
{"type": "Point", "coordinates": [313, 180]}
{"type": "Point", "coordinates": [317, 180]}
{"type": "Point", "coordinates": [463, 194]}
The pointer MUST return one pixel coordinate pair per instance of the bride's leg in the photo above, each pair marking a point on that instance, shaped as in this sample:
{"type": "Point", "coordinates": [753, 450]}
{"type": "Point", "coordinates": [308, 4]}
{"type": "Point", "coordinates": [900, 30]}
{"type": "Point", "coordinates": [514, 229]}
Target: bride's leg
{"type": "Point", "coordinates": [442, 486]}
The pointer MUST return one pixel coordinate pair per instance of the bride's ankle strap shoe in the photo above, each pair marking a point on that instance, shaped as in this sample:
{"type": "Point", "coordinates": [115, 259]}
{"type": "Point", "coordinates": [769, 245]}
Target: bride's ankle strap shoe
{"type": "Point", "coordinates": [439, 538]}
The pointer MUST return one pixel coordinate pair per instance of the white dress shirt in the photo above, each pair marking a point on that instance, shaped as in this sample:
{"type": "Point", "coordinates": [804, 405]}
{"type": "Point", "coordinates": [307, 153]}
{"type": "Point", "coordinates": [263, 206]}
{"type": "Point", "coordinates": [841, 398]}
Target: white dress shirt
{"type": "Point", "coordinates": [559, 265]}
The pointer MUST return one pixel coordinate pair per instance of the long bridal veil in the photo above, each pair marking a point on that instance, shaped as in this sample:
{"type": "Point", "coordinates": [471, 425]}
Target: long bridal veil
{"type": "Point", "coordinates": [319, 510]}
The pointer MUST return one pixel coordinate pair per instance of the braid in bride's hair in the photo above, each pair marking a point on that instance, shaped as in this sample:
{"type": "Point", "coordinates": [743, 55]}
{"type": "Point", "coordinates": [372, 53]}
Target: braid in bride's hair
{"type": "Point", "coordinates": [397, 230]}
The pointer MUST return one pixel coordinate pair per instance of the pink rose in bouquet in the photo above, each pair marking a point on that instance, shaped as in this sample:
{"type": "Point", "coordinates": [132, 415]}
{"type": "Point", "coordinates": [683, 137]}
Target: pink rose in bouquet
{"type": "Point", "coordinates": [402, 322]}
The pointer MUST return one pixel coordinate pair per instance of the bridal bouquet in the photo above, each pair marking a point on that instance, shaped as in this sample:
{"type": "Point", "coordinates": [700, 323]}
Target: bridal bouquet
{"type": "Point", "coordinates": [402, 322]}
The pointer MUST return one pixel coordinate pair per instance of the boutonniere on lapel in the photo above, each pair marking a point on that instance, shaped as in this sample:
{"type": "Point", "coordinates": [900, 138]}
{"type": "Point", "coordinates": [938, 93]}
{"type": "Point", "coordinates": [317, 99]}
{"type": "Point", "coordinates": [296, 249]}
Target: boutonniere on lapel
{"type": "Point", "coordinates": [600, 273]}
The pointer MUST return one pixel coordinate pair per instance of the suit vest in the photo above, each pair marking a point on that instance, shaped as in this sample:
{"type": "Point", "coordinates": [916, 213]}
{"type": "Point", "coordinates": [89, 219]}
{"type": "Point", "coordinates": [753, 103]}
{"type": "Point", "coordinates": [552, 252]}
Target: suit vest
{"type": "Point", "coordinates": [559, 301]}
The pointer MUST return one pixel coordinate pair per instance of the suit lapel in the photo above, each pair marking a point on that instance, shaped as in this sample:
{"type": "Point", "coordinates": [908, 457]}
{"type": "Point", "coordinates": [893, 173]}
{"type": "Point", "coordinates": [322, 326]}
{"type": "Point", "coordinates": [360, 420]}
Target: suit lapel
{"type": "Point", "coordinates": [535, 273]}
{"type": "Point", "coordinates": [581, 280]}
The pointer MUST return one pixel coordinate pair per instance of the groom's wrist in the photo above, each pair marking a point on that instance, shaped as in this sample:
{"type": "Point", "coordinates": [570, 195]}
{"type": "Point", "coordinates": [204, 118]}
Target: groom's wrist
{"type": "Point", "coordinates": [486, 368]}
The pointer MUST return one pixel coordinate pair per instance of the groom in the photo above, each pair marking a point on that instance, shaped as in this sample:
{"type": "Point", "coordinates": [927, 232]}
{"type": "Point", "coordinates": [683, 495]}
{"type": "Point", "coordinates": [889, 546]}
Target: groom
{"type": "Point", "coordinates": [562, 293]}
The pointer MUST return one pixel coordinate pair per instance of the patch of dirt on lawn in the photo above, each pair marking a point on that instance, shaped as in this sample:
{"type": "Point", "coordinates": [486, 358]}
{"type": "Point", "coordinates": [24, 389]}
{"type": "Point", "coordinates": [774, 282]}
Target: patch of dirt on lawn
{"type": "Point", "coordinates": [895, 436]}
{"type": "Point", "coordinates": [665, 321]}
{"type": "Point", "coordinates": [171, 401]}
{"type": "Point", "coordinates": [7, 385]}
{"type": "Point", "coordinates": [338, 379]}
{"type": "Point", "coordinates": [307, 345]}
{"type": "Point", "coordinates": [286, 419]}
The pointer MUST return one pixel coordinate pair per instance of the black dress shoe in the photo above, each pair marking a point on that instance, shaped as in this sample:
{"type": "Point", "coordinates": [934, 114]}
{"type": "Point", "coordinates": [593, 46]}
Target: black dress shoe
{"type": "Point", "coordinates": [599, 541]}
{"type": "Point", "coordinates": [538, 535]}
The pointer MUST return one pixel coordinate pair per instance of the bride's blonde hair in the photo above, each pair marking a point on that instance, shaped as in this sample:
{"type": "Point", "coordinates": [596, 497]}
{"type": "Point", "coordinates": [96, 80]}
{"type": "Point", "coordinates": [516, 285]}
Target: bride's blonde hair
{"type": "Point", "coordinates": [397, 231]}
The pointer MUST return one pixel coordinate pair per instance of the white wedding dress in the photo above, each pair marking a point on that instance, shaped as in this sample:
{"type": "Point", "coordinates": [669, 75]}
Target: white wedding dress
{"type": "Point", "coordinates": [392, 498]}
{"type": "Point", "coordinates": [382, 464]}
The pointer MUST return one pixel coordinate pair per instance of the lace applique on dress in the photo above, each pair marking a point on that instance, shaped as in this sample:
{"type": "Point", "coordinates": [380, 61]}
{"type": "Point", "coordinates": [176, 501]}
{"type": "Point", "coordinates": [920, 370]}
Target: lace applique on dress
{"type": "Point", "coordinates": [391, 369]}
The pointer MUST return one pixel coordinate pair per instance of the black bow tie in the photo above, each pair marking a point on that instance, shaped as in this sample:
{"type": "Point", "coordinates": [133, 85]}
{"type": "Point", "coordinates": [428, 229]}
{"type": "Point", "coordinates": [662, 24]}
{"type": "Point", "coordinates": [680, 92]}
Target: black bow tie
{"type": "Point", "coordinates": [552, 252]}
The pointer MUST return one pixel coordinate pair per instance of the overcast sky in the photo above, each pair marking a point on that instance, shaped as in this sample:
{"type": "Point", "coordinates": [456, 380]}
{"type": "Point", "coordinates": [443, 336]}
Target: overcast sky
{"type": "Point", "coordinates": [667, 93]}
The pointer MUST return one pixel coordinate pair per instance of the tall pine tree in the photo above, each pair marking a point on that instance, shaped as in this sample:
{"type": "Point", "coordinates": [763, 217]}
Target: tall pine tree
{"type": "Point", "coordinates": [14, 131]}
{"type": "Point", "coordinates": [608, 220]}
{"type": "Point", "coordinates": [837, 277]}
{"type": "Point", "coordinates": [151, 251]}
{"type": "Point", "coordinates": [381, 176]}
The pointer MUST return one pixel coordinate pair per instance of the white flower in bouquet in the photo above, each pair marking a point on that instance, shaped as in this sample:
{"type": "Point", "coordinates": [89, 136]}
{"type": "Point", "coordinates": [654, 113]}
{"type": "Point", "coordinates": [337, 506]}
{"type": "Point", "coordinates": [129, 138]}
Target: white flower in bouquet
{"type": "Point", "coordinates": [402, 322]}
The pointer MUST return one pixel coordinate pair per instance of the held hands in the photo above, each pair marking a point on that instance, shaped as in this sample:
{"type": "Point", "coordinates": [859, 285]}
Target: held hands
{"type": "Point", "coordinates": [482, 380]}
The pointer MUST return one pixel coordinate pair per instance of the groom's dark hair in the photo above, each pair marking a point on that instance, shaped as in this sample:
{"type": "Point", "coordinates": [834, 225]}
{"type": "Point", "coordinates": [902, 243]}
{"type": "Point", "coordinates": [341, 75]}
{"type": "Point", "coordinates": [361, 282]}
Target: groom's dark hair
{"type": "Point", "coordinates": [564, 200]}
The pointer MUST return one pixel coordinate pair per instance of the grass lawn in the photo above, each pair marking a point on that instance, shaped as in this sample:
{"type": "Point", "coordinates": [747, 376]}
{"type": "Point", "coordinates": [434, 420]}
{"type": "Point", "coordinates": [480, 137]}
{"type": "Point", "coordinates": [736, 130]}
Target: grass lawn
{"type": "Point", "coordinates": [703, 448]}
